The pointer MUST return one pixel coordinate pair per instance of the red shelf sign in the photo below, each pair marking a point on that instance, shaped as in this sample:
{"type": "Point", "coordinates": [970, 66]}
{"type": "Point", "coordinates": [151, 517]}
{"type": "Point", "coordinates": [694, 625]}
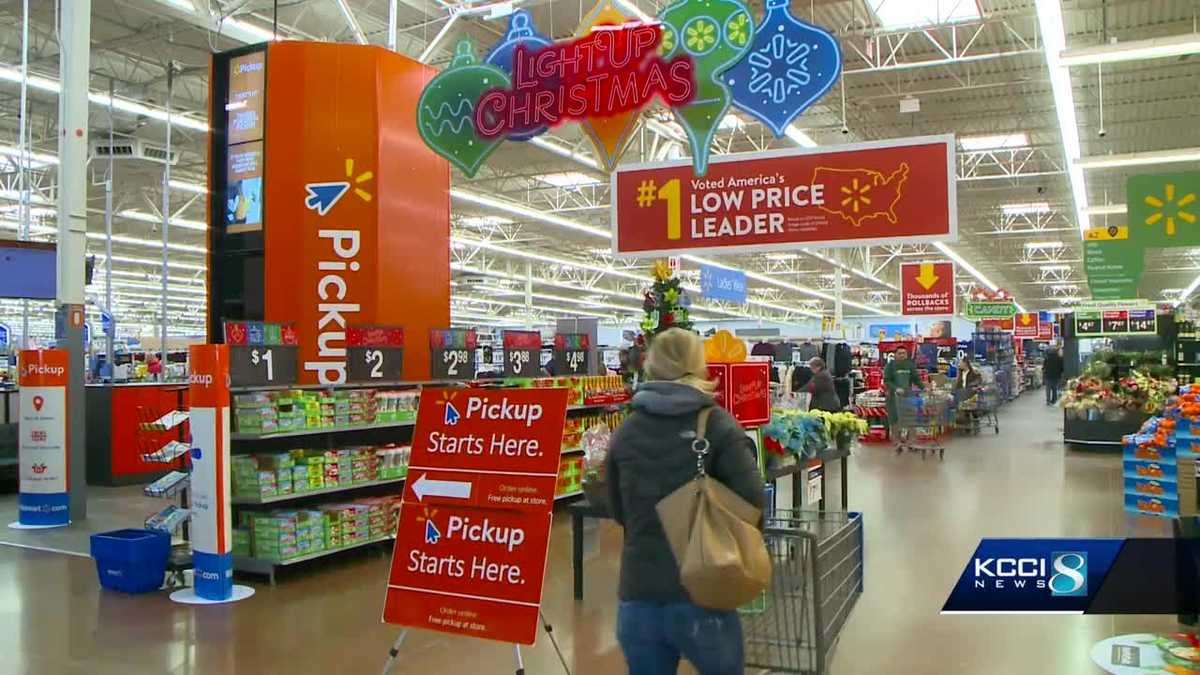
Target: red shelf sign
{"type": "Point", "coordinates": [474, 529]}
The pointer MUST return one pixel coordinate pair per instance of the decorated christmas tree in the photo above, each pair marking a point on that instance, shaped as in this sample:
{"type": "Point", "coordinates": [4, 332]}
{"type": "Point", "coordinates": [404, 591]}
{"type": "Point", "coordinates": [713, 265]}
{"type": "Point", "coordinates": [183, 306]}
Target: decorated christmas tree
{"type": "Point", "coordinates": [666, 304]}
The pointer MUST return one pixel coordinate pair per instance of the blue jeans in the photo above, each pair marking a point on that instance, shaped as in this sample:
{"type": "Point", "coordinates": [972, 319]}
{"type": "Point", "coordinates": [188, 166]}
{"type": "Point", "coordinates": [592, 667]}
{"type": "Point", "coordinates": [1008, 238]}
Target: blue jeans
{"type": "Point", "coordinates": [654, 637]}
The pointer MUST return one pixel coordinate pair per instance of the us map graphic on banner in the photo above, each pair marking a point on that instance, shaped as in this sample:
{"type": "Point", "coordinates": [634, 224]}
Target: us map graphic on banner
{"type": "Point", "coordinates": [43, 454]}
{"type": "Point", "coordinates": [474, 529]}
{"type": "Point", "coordinates": [899, 191]}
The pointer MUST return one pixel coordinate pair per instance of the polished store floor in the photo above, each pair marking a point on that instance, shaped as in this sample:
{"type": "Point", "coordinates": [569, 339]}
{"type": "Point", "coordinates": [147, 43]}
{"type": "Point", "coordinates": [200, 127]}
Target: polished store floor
{"type": "Point", "coordinates": [923, 519]}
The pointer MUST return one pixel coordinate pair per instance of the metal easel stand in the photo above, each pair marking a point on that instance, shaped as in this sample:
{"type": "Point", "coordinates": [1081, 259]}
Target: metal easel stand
{"type": "Point", "coordinates": [394, 652]}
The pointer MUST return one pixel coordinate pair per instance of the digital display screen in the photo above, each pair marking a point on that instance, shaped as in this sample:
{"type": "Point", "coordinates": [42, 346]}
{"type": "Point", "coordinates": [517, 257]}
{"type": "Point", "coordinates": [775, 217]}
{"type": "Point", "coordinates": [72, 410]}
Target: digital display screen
{"type": "Point", "coordinates": [246, 101]}
{"type": "Point", "coordinates": [28, 270]}
{"type": "Point", "coordinates": [245, 112]}
{"type": "Point", "coordinates": [244, 187]}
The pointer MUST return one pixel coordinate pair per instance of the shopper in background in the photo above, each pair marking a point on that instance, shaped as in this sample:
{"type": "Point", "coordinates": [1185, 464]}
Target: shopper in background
{"type": "Point", "coordinates": [968, 378]}
{"type": "Point", "coordinates": [824, 395]}
{"type": "Point", "coordinates": [1052, 370]}
{"type": "Point", "coordinates": [153, 366]}
{"type": "Point", "coordinates": [651, 456]}
{"type": "Point", "coordinates": [899, 377]}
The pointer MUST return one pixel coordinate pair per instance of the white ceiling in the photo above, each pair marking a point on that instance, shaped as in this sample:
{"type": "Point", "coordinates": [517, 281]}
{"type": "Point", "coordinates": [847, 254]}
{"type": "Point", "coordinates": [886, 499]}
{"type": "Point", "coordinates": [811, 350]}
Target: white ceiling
{"type": "Point", "coordinates": [987, 76]}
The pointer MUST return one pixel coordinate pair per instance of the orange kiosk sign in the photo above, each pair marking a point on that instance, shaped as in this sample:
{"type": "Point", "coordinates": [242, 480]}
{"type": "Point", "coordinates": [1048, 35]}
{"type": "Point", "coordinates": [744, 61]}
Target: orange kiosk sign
{"type": "Point", "coordinates": [474, 530]}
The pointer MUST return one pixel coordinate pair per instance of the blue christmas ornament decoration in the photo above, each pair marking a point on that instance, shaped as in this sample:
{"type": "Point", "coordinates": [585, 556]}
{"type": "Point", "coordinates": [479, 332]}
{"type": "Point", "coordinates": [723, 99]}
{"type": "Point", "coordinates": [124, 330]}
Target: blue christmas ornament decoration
{"type": "Point", "coordinates": [521, 33]}
{"type": "Point", "coordinates": [791, 65]}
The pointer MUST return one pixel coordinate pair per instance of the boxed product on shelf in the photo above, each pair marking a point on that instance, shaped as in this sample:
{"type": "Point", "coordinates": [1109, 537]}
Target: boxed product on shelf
{"type": "Point", "coordinates": [393, 461]}
{"type": "Point", "coordinates": [570, 475]}
{"type": "Point", "coordinates": [241, 542]}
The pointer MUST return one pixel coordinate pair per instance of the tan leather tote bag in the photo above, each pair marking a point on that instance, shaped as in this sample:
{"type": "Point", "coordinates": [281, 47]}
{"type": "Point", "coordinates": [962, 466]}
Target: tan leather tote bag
{"type": "Point", "coordinates": [714, 534]}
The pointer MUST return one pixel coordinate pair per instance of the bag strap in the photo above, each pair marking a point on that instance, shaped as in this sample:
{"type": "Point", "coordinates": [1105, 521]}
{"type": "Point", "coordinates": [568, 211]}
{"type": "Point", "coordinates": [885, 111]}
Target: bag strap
{"type": "Point", "coordinates": [700, 444]}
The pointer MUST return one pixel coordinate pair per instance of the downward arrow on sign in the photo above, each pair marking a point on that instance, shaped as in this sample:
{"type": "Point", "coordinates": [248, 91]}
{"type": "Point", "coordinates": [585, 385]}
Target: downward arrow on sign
{"type": "Point", "coordinates": [1026, 320]}
{"type": "Point", "coordinates": [451, 489]}
{"type": "Point", "coordinates": [926, 277]}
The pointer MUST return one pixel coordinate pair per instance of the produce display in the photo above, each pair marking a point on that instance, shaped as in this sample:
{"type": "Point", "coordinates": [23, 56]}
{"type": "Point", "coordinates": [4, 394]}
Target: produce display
{"type": "Point", "coordinates": [266, 412]}
{"type": "Point", "coordinates": [299, 471]}
{"type": "Point", "coordinates": [1113, 384]}
{"type": "Point", "coordinates": [1160, 459]}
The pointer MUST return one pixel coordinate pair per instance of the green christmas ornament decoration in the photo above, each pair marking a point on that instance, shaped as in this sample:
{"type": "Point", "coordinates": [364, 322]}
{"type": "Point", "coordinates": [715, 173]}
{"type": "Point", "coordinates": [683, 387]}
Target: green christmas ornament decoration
{"type": "Point", "coordinates": [672, 295]}
{"type": "Point", "coordinates": [716, 34]}
{"type": "Point", "coordinates": [446, 109]}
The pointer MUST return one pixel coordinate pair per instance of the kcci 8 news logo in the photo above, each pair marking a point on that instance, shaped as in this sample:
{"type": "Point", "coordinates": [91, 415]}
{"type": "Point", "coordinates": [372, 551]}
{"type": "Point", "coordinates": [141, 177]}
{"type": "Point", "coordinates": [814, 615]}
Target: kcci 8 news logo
{"type": "Point", "coordinates": [1063, 573]}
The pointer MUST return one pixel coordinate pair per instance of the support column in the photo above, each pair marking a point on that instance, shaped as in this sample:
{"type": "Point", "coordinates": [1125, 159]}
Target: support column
{"type": "Point", "coordinates": [75, 37]}
{"type": "Point", "coordinates": [839, 289]}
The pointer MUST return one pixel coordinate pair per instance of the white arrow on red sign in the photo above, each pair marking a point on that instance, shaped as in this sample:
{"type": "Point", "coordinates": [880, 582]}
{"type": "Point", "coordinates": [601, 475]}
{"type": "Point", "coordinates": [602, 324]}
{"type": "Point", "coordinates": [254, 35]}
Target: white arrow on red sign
{"type": "Point", "coordinates": [451, 489]}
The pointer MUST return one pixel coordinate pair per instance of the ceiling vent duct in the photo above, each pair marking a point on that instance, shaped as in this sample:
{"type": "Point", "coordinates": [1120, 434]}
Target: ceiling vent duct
{"type": "Point", "coordinates": [134, 149]}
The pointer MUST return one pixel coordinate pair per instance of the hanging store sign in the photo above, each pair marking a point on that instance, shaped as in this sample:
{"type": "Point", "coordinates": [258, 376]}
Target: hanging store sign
{"type": "Point", "coordinates": [1113, 263]}
{"type": "Point", "coordinates": [722, 283]}
{"type": "Point", "coordinates": [42, 449]}
{"type": "Point", "coordinates": [374, 354]}
{"type": "Point", "coordinates": [474, 526]}
{"type": "Point", "coordinates": [867, 193]}
{"type": "Point", "coordinates": [1026, 325]}
{"type": "Point", "coordinates": [571, 353]}
{"type": "Point", "coordinates": [699, 58]}
{"type": "Point", "coordinates": [1129, 320]}
{"type": "Point", "coordinates": [612, 69]}
{"type": "Point", "coordinates": [1164, 209]}
{"type": "Point", "coordinates": [927, 289]}
{"type": "Point", "coordinates": [522, 353]}
{"type": "Point", "coordinates": [452, 353]}
{"type": "Point", "coordinates": [990, 309]}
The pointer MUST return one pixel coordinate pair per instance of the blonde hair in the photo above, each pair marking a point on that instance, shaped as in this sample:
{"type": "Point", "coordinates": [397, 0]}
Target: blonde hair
{"type": "Point", "coordinates": [677, 355]}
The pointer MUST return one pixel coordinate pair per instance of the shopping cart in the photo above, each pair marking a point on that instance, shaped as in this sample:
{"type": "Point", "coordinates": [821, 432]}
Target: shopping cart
{"type": "Point", "coordinates": [817, 577]}
{"type": "Point", "coordinates": [977, 409]}
{"type": "Point", "coordinates": [922, 418]}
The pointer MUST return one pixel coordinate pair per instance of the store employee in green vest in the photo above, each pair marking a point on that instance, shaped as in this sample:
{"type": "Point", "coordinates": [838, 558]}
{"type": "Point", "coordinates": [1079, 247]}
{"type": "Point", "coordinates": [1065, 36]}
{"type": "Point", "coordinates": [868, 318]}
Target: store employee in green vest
{"type": "Point", "coordinates": [899, 376]}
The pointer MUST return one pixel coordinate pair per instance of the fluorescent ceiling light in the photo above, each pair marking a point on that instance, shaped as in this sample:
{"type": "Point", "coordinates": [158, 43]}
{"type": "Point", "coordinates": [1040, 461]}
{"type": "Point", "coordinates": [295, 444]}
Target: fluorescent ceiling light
{"type": "Point", "coordinates": [37, 160]}
{"type": "Point", "coordinates": [568, 179]}
{"type": "Point", "coordinates": [155, 263]}
{"type": "Point", "coordinates": [782, 257]}
{"type": "Point", "coordinates": [558, 149]}
{"type": "Point", "coordinates": [999, 142]}
{"type": "Point", "coordinates": [1054, 268]}
{"type": "Point", "coordinates": [526, 212]}
{"type": "Point", "coordinates": [148, 243]}
{"type": "Point", "coordinates": [1153, 48]}
{"type": "Point", "coordinates": [188, 187]}
{"type": "Point", "coordinates": [1054, 40]}
{"type": "Point", "coordinates": [1139, 159]}
{"type": "Point", "coordinates": [142, 216]}
{"type": "Point", "coordinates": [1064, 287]}
{"type": "Point", "coordinates": [799, 137]}
{"type": "Point", "coordinates": [1025, 209]}
{"type": "Point", "coordinates": [912, 13]}
{"type": "Point", "coordinates": [13, 74]}
{"type": "Point", "coordinates": [630, 7]}
{"type": "Point", "coordinates": [1043, 244]}
{"type": "Point", "coordinates": [485, 222]}
{"type": "Point", "coordinates": [1107, 209]}
{"type": "Point", "coordinates": [965, 265]}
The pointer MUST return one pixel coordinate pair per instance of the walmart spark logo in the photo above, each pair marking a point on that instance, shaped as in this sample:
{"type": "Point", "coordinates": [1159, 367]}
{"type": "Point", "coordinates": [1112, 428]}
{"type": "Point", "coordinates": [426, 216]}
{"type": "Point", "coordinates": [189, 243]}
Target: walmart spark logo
{"type": "Point", "coordinates": [321, 197]}
{"type": "Point", "coordinates": [432, 534]}
{"type": "Point", "coordinates": [1169, 208]}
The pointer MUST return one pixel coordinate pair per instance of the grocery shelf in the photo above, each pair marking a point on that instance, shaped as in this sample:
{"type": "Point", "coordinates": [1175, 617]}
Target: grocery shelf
{"type": "Point", "coordinates": [316, 431]}
{"type": "Point", "coordinates": [593, 406]}
{"type": "Point", "coordinates": [267, 567]}
{"type": "Point", "coordinates": [291, 496]}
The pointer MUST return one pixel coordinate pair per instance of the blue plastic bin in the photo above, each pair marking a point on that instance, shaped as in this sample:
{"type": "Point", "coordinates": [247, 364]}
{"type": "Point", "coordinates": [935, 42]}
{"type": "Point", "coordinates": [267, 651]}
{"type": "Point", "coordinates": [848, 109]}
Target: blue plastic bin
{"type": "Point", "coordinates": [132, 561]}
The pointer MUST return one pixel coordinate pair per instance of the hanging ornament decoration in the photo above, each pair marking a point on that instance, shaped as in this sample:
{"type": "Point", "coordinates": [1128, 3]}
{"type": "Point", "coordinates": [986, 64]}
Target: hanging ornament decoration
{"type": "Point", "coordinates": [521, 33]}
{"type": "Point", "coordinates": [716, 34]}
{"type": "Point", "coordinates": [609, 134]}
{"type": "Point", "coordinates": [650, 323]}
{"type": "Point", "coordinates": [791, 65]}
{"type": "Point", "coordinates": [446, 109]}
